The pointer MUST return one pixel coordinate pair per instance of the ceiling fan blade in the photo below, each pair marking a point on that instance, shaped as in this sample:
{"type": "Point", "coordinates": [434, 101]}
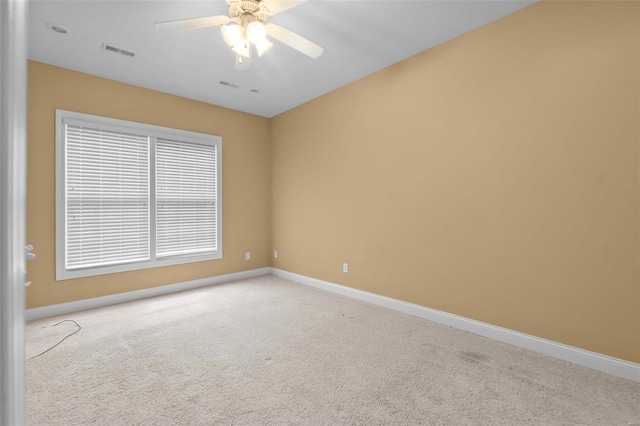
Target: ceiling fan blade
{"type": "Point", "coordinates": [242, 62]}
{"type": "Point", "coordinates": [293, 40]}
{"type": "Point", "coordinates": [277, 6]}
{"type": "Point", "coordinates": [189, 24]}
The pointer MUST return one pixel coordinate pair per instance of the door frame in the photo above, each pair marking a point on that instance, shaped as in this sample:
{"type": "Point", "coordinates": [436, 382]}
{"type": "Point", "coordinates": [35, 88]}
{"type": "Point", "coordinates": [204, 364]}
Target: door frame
{"type": "Point", "coordinates": [13, 142]}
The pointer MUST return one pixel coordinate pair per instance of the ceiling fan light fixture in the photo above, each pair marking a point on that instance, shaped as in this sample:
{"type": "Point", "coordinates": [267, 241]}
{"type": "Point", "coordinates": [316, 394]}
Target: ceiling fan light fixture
{"type": "Point", "coordinates": [263, 47]}
{"type": "Point", "coordinates": [256, 32]}
{"type": "Point", "coordinates": [232, 34]}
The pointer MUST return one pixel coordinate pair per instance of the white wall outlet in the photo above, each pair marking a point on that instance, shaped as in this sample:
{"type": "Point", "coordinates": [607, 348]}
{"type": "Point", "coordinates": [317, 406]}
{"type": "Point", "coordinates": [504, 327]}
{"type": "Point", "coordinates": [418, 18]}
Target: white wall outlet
{"type": "Point", "coordinates": [345, 267]}
{"type": "Point", "coordinates": [275, 254]}
{"type": "Point", "coordinates": [247, 255]}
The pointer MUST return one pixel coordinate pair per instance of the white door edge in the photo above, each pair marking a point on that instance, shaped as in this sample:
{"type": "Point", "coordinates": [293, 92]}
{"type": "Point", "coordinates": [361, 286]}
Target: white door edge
{"type": "Point", "coordinates": [13, 141]}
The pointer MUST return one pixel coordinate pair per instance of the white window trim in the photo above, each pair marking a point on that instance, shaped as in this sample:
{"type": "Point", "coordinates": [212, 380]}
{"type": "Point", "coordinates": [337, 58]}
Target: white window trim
{"type": "Point", "coordinates": [68, 117]}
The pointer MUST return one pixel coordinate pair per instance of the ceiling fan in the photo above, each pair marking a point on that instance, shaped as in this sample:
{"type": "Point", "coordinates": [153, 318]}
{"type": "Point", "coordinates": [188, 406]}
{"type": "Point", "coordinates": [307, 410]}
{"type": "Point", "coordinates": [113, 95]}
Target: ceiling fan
{"type": "Point", "coordinates": [246, 27]}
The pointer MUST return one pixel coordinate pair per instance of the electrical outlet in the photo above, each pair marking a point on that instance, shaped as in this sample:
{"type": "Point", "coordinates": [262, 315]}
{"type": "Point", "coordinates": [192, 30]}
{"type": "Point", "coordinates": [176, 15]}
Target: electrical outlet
{"type": "Point", "coordinates": [247, 255]}
{"type": "Point", "coordinates": [275, 254]}
{"type": "Point", "coordinates": [345, 268]}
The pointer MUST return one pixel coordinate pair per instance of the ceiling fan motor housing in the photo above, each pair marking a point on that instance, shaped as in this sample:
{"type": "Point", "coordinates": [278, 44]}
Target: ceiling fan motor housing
{"type": "Point", "coordinates": [240, 9]}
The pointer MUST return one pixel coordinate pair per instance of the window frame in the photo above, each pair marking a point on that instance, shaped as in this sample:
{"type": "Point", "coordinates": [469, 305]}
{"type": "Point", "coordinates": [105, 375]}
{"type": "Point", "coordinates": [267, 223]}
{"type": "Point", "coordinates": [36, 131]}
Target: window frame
{"type": "Point", "coordinates": [63, 118]}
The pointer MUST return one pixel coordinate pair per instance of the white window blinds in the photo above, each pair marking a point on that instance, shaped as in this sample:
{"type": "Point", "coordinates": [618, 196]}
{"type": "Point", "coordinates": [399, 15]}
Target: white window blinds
{"type": "Point", "coordinates": [186, 200]}
{"type": "Point", "coordinates": [134, 196]}
{"type": "Point", "coordinates": [107, 197]}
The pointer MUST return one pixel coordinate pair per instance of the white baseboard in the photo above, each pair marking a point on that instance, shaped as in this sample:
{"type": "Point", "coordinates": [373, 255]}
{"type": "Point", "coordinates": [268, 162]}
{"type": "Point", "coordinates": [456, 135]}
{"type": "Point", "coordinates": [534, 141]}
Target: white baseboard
{"type": "Point", "coordinates": [113, 299]}
{"type": "Point", "coordinates": [606, 364]}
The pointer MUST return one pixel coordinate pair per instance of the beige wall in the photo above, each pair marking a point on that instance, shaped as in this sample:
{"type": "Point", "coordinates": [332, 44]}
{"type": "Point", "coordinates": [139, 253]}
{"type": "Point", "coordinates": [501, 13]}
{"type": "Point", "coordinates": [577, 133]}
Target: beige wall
{"type": "Point", "coordinates": [245, 173]}
{"type": "Point", "coordinates": [495, 177]}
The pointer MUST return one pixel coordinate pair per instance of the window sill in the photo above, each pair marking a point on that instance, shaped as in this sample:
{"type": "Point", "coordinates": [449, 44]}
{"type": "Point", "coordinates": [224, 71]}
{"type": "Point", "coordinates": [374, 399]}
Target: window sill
{"type": "Point", "coordinates": [63, 274]}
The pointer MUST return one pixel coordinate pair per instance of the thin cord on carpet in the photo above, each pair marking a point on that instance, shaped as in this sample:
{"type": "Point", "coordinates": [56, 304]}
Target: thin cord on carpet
{"type": "Point", "coordinates": [66, 337]}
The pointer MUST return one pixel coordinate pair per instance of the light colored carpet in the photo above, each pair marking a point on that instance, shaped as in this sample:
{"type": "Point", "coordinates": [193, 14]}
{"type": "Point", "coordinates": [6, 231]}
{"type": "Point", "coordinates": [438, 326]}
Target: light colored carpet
{"type": "Point", "coordinates": [269, 351]}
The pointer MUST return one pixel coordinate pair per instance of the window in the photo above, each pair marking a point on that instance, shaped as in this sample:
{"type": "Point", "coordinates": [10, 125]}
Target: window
{"type": "Point", "coordinates": [133, 196]}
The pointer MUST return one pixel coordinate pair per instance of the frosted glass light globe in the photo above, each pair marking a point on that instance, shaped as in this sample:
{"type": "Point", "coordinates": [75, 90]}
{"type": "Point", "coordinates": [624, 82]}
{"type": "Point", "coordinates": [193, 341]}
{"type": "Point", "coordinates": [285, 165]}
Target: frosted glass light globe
{"type": "Point", "coordinates": [232, 34]}
{"type": "Point", "coordinates": [256, 32]}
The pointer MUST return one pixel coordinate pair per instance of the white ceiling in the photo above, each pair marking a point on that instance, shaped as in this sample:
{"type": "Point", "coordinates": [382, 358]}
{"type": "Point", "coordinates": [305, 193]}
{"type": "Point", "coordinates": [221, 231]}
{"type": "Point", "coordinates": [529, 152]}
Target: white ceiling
{"type": "Point", "coordinates": [359, 38]}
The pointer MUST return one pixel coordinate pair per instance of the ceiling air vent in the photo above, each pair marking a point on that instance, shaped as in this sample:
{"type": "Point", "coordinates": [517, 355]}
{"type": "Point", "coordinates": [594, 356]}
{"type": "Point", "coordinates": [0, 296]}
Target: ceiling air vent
{"type": "Point", "coordinates": [226, 83]}
{"type": "Point", "coordinates": [114, 49]}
